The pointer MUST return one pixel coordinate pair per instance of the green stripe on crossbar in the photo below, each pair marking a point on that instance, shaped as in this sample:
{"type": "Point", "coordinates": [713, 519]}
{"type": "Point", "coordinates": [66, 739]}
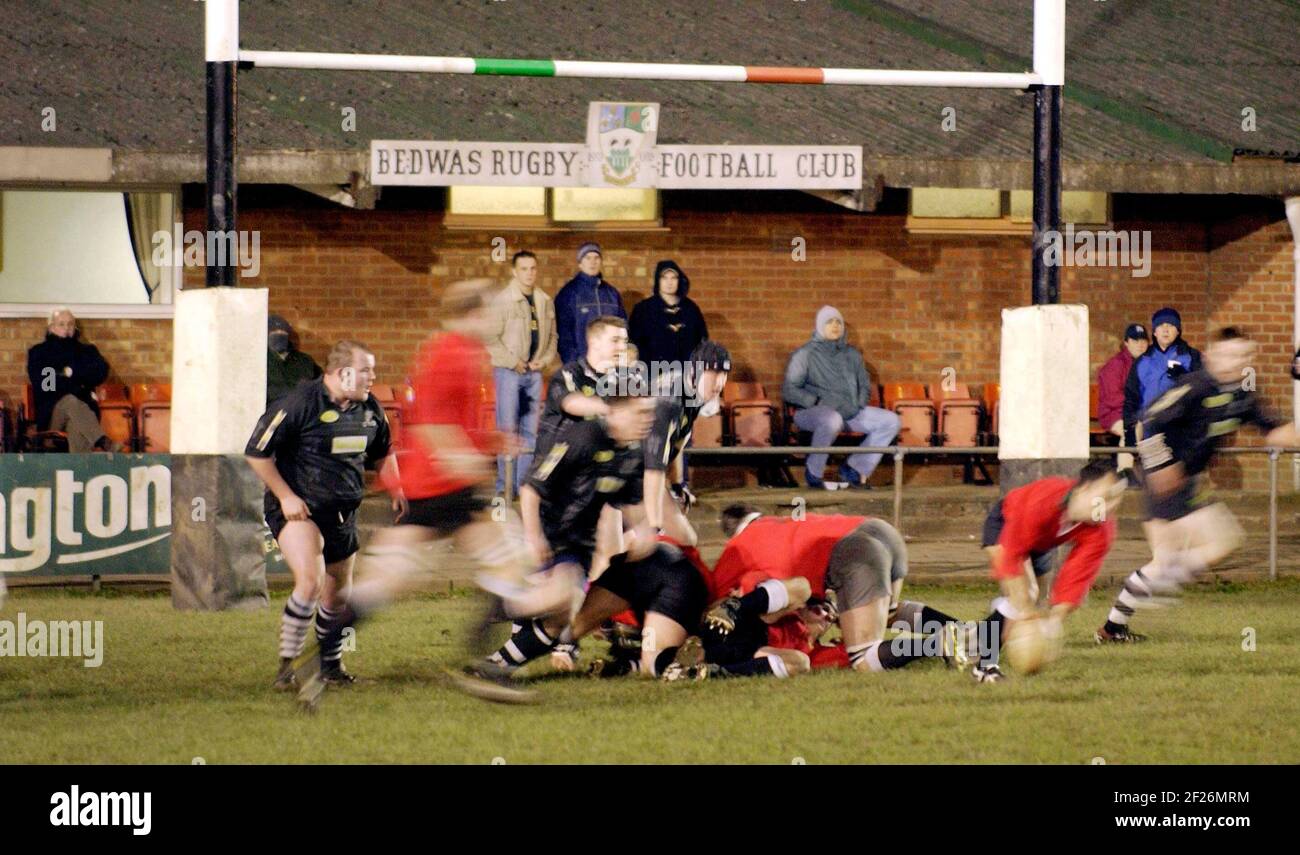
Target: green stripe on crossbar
{"type": "Point", "coordinates": [516, 67]}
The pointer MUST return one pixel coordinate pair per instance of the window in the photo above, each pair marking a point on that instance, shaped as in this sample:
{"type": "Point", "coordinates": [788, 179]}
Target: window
{"type": "Point", "coordinates": [974, 211]}
{"type": "Point", "coordinates": [546, 208]}
{"type": "Point", "coordinates": [92, 251]}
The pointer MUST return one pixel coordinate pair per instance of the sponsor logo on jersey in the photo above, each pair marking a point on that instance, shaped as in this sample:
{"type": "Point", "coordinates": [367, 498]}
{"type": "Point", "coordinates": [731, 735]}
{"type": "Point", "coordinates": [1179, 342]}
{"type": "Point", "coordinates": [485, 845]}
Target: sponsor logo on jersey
{"type": "Point", "coordinates": [604, 456]}
{"type": "Point", "coordinates": [609, 484]}
{"type": "Point", "coordinates": [329, 417]}
{"type": "Point", "coordinates": [348, 445]}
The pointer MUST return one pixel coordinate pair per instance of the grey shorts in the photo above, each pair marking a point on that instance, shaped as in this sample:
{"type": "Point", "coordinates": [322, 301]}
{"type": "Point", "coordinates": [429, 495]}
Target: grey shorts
{"type": "Point", "coordinates": [865, 563]}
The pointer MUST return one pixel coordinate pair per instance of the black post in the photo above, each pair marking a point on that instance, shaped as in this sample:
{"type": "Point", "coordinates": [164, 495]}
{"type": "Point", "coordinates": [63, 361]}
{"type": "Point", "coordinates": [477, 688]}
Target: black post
{"type": "Point", "coordinates": [1047, 191]}
{"type": "Point", "coordinates": [221, 185]}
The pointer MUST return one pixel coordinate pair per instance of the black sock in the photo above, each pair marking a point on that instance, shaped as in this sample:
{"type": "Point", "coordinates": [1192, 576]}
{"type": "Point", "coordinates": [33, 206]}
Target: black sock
{"type": "Point", "coordinates": [899, 652]}
{"type": "Point", "coordinates": [749, 668]}
{"type": "Point", "coordinates": [929, 616]}
{"type": "Point", "coordinates": [755, 603]}
{"type": "Point", "coordinates": [1115, 628]}
{"type": "Point", "coordinates": [331, 624]}
{"type": "Point", "coordinates": [990, 635]}
{"type": "Point", "coordinates": [529, 642]}
{"type": "Point", "coordinates": [664, 659]}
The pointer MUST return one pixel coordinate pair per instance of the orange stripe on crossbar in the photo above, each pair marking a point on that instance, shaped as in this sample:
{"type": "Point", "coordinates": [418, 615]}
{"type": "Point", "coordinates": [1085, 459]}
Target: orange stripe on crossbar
{"type": "Point", "coordinates": [780, 74]}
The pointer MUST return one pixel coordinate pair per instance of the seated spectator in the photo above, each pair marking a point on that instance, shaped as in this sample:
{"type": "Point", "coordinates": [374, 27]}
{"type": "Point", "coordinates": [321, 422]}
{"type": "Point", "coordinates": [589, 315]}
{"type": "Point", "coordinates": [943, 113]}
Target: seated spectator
{"type": "Point", "coordinates": [1154, 372]}
{"type": "Point", "coordinates": [584, 298]}
{"type": "Point", "coordinates": [827, 381]}
{"type": "Point", "coordinates": [667, 326]}
{"type": "Point", "coordinates": [286, 365]}
{"type": "Point", "coordinates": [64, 372]}
{"type": "Point", "coordinates": [1111, 378]}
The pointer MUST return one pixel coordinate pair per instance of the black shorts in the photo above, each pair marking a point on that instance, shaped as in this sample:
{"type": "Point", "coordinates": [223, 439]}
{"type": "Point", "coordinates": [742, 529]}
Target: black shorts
{"type": "Point", "coordinates": [664, 583]}
{"type": "Point", "coordinates": [446, 513]}
{"type": "Point", "coordinates": [739, 645]}
{"type": "Point", "coordinates": [993, 525]}
{"type": "Point", "coordinates": [337, 524]}
{"type": "Point", "coordinates": [1192, 496]}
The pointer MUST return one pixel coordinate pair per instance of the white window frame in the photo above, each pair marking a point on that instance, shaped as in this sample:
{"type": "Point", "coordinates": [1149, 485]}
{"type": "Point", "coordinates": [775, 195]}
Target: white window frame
{"type": "Point", "coordinates": [112, 311]}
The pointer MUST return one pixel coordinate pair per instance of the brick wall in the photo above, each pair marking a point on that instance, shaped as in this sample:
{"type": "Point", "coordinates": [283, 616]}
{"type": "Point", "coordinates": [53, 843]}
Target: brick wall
{"type": "Point", "coordinates": [915, 304]}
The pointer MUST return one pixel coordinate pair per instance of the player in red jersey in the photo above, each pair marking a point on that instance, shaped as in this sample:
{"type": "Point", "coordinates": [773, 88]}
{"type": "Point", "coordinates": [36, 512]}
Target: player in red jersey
{"type": "Point", "coordinates": [1028, 523]}
{"type": "Point", "coordinates": [862, 559]}
{"type": "Point", "coordinates": [442, 480]}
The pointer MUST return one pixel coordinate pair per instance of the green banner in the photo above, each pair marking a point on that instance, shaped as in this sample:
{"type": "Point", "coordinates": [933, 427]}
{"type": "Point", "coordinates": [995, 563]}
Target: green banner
{"type": "Point", "coordinates": [85, 514]}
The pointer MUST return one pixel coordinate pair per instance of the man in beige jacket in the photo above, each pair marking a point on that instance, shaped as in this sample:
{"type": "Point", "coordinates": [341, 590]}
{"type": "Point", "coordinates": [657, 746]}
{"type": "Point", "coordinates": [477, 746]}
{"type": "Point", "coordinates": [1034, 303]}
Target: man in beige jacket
{"type": "Point", "coordinates": [522, 342]}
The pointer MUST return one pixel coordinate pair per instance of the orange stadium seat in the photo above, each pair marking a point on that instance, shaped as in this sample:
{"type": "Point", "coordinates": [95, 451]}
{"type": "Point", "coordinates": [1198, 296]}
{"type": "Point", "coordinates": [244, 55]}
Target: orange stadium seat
{"type": "Point", "coordinates": [958, 415]}
{"type": "Point", "coordinates": [915, 409]}
{"type": "Point", "coordinates": [153, 412]}
{"type": "Point", "coordinates": [750, 414]}
{"type": "Point", "coordinates": [31, 439]}
{"type": "Point", "coordinates": [116, 415]}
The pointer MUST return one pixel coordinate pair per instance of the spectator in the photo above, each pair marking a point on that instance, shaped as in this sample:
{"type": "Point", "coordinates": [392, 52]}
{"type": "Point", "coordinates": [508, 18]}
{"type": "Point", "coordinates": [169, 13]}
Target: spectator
{"type": "Point", "coordinates": [286, 365]}
{"type": "Point", "coordinates": [1295, 366]}
{"type": "Point", "coordinates": [64, 372]}
{"type": "Point", "coordinates": [584, 298]}
{"type": "Point", "coordinates": [1155, 371]}
{"type": "Point", "coordinates": [667, 326]}
{"type": "Point", "coordinates": [521, 342]}
{"type": "Point", "coordinates": [1110, 386]}
{"type": "Point", "coordinates": [827, 381]}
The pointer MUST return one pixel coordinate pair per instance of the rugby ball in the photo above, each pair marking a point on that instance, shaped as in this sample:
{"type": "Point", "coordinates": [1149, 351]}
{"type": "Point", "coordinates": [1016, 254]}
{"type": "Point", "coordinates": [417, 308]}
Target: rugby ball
{"type": "Point", "coordinates": [1033, 644]}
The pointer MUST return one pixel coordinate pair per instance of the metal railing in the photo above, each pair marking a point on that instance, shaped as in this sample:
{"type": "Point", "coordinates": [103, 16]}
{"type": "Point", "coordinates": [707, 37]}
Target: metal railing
{"type": "Point", "coordinates": [899, 453]}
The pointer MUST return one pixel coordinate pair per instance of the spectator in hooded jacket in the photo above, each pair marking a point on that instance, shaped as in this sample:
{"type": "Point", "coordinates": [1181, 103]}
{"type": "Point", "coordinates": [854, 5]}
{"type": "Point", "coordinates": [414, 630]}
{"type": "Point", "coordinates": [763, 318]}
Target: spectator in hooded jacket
{"type": "Point", "coordinates": [827, 381]}
{"type": "Point", "coordinates": [584, 298]}
{"type": "Point", "coordinates": [1155, 371]}
{"type": "Point", "coordinates": [64, 372]}
{"type": "Point", "coordinates": [667, 326]}
{"type": "Point", "coordinates": [286, 365]}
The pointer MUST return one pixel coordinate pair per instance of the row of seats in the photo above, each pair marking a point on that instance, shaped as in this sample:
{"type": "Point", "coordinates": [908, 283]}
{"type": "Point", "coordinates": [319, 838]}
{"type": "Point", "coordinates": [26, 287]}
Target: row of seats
{"type": "Point", "coordinates": [136, 416]}
{"type": "Point", "coordinates": [930, 415]}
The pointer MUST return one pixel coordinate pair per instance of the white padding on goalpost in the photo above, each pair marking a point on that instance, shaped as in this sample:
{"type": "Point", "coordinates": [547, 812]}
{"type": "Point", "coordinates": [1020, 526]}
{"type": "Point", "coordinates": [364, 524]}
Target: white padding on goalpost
{"type": "Point", "coordinates": [1044, 409]}
{"type": "Point", "coordinates": [218, 369]}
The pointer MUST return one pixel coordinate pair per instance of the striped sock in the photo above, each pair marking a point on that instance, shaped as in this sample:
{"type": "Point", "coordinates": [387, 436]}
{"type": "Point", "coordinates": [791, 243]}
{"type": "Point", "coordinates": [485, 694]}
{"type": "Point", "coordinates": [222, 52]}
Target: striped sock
{"type": "Point", "coordinates": [1137, 588]}
{"type": "Point", "coordinates": [527, 642]}
{"type": "Point", "coordinates": [294, 623]}
{"type": "Point", "coordinates": [330, 627]}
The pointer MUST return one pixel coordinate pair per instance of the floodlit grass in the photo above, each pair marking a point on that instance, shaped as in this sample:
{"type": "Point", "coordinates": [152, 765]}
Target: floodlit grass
{"type": "Point", "coordinates": [177, 686]}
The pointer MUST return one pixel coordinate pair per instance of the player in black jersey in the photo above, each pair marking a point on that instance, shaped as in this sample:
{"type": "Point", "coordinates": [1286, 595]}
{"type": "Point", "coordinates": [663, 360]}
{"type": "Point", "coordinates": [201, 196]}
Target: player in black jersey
{"type": "Point", "coordinates": [575, 391]}
{"type": "Point", "coordinates": [595, 463]}
{"type": "Point", "coordinates": [310, 449]}
{"type": "Point", "coordinates": [688, 392]}
{"type": "Point", "coordinates": [1188, 530]}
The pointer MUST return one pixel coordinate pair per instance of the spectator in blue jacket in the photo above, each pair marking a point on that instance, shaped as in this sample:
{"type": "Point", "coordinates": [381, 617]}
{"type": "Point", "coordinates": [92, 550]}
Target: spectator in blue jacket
{"type": "Point", "coordinates": [1154, 372]}
{"type": "Point", "coordinates": [827, 381]}
{"type": "Point", "coordinates": [584, 298]}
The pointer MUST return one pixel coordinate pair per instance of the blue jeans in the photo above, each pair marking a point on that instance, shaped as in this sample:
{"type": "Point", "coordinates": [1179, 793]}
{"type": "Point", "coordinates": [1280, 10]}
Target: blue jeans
{"type": "Point", "coordinates": [880, 427]}
{"type": "Point", "coordinates": [519, 404]}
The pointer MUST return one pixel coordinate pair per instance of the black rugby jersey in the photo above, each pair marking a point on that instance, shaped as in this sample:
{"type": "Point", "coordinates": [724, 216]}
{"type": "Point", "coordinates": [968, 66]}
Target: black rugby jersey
{"type": "Point", "coordinates": [319, 449]}
{"type": "Point", "coordinates": [1189, 421]}
{"type": "Point", "coordinates": [584, 471]}
{"type": "Point", "coordinates": [674, 421]}
{"type": "Point", "coordinates": [576, 376]}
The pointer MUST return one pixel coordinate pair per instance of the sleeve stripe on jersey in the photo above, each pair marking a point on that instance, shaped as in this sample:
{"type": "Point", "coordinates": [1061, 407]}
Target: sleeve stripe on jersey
{"type": "Point", "coordinates": [668, 443]}
{"type": "Point", "coordinates": [266, 437]}
{"type": "Point", "coordinates": [568, 381]}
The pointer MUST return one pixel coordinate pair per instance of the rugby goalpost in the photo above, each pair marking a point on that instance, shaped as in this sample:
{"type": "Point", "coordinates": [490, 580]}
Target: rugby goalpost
{"type": "Point", "coordinates": [225, 58]}
{"type": "Point", "coordinates": [1044, 346]}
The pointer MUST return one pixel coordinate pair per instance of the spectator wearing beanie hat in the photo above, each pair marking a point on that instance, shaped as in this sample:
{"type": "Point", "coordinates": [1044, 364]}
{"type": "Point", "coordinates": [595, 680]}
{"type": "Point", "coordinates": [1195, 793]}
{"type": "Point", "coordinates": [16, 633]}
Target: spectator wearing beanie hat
{"type": "Point", "coordinates": [1156, 371]}
{"type": "Point", "coordinates": [827, 381]}
{"type": "Point", "coordinates": [584, 298]}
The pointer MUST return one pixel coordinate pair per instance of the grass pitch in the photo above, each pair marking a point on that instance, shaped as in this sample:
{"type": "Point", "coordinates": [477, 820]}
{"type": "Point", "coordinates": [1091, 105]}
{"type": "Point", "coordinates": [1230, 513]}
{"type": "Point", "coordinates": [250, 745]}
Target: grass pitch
{"type": "Point", "coordinates": [175, 686]}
